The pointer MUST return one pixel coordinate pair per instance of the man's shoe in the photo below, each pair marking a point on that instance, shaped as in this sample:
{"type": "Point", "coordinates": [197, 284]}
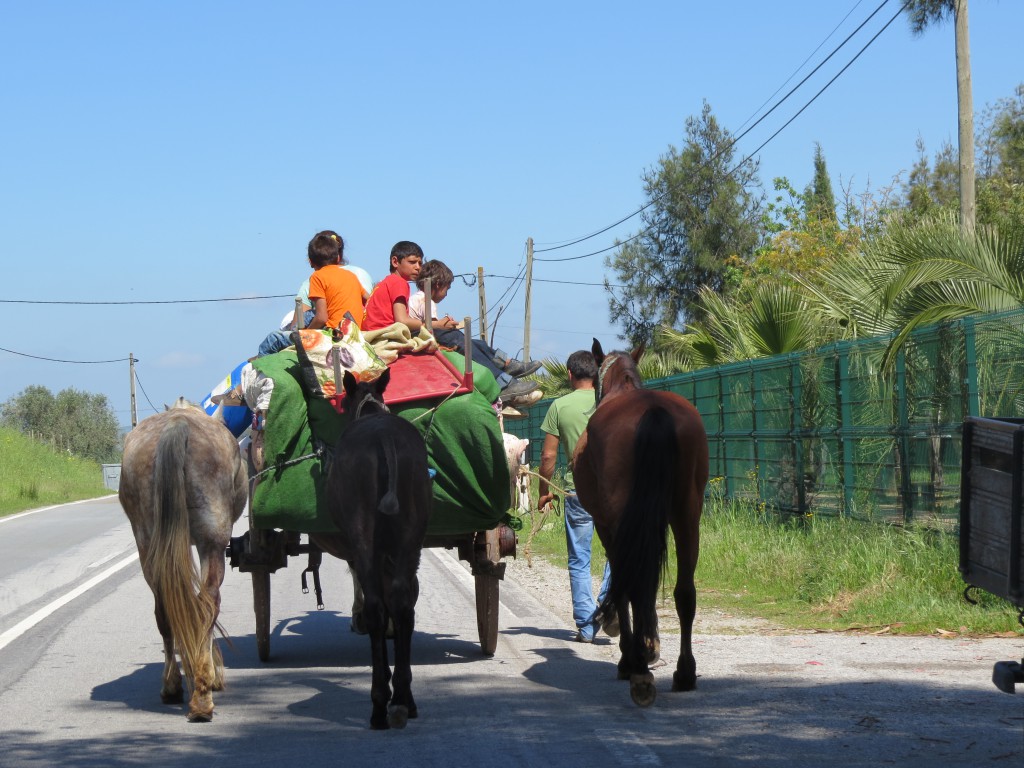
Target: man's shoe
{"type": "Point", "coordinates": [525, 401]}
{"type": "Point", "coordinates": [519, 369]}
{"type": "Point", "coordinates": [517, 388]}
{"type": "Point", "coordinates": [585, 634]}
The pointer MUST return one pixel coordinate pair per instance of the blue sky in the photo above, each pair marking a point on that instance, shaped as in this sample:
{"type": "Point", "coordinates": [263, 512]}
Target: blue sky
{"type": "Point", "coordinates": [173, 151]}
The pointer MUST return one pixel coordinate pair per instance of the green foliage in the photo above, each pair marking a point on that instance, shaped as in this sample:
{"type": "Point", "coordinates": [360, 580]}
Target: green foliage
{"type": "Point", "coordinates": [35, 475]}
{"type": "Point", "coordinates": [820, 573]}
{"type": "Point", "coordinates": [838, 573]}
{"type": "Point", "coordinates": [703, 209]}
{"type": "Point", "coordinates": [83, 422]}
{"type": "Point", "coordinates": [924, 13]}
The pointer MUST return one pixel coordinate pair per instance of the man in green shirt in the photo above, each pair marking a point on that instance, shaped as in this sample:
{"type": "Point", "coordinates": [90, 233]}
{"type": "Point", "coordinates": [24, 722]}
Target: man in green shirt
{"type": "Point", "coordinates": [563, 424]}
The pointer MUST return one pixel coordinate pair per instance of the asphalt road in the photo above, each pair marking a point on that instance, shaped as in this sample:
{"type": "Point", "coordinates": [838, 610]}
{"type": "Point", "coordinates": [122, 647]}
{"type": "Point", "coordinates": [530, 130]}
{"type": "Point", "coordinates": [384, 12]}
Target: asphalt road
{"type": "Point", "coordinates": [79, 686]}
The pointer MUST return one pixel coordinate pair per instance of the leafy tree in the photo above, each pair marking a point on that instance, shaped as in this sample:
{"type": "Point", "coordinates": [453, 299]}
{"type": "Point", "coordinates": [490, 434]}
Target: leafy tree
{"type": "Point", "coordinates": [821, 201]}
{"type": "Point", "coordinates": [922, 14]}
{"type": "Point", "coordinates": [703, 209]}
{"type": "Point", "coordinates": [83, 422]}
{"type": "Point", "coordinates": [932, 188]}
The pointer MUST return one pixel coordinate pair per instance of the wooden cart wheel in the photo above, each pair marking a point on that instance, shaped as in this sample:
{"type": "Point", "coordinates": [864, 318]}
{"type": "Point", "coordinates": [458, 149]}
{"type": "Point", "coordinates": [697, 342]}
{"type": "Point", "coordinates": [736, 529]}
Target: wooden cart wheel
{"type": "Point", "coordinates": [261, 605]}
{"type": "Point", "coordinates": [487, 578]}
{"type": "Point", "coordinates": [487, 612]}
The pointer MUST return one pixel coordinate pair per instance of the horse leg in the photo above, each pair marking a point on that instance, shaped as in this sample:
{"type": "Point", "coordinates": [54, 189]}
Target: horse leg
{"type": "Point", "coordinates": [213, 577]}
{"type": "Point", "coordinates": [685, 676]}
{"type": "Point", "coordinates": [403, 614]}
{"type": "Point", "coordinates": [380, 689]}
{"type": "Point", "coordinates": [641, 679]}
{"type": "Point", "coordinates": [205, 673]}
{"type": "Point", "coordinates": [626, 664]}
{"type": "Point", "coordinates": [170, 687]}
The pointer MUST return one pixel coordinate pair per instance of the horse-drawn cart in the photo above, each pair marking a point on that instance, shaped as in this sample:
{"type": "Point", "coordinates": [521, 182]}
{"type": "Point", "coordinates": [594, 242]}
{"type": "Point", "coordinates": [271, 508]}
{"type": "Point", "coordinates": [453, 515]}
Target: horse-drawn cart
{"type": "Point", "coordinates": [289, 461]}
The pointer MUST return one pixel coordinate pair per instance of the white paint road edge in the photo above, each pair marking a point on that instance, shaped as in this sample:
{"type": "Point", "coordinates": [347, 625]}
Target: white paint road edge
{"type": "Point", "coordinates": [8, 518]}
{"type": "Point", "coordinates": [26, 624]}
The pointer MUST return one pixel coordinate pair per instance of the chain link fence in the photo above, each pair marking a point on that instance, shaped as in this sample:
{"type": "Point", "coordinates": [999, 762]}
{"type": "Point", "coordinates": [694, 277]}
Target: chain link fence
{"type": "Point", "coordinates": [826, 432]}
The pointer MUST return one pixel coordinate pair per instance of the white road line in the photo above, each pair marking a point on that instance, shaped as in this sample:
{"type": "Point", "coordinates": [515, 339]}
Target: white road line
{"type": "Point", "coordinates": [23, 626]}
{"type": "Point", "coordinates": [8, 518]}
{"type": "Point", "coordinates": [453, 565]}
{"type": "Point", "coordinates": [101, 561]}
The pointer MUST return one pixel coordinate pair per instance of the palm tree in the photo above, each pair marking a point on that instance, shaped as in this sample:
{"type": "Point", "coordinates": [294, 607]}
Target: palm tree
{"type": "Point", "coordinates": [775, 319]}
{"type": "Point", "coordinates": [938, 271]}
{"type": "Point", "coordinates": [922, 14]}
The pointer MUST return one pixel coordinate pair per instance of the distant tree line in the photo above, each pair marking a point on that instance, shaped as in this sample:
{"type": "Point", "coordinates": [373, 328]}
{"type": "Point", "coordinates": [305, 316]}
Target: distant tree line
{"type": "Point", "coordinates": [80, 422]}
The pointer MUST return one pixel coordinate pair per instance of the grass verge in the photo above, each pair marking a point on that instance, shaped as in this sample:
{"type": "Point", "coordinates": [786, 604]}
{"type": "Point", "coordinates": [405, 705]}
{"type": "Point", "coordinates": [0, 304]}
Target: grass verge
{"type": "Point", "coordinates": [35, 475]}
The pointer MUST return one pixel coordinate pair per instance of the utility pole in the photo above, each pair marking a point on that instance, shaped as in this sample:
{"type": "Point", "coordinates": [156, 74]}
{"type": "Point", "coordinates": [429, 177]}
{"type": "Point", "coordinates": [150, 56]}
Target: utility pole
{"type": "Point", "coordinates": [529, 298]}
{"type": "Point", "coordinates": [131, 375]}
{"type": "Point", "coordinates": [965, 104]}
{"type": "Point", "coordinates": [483, 302]}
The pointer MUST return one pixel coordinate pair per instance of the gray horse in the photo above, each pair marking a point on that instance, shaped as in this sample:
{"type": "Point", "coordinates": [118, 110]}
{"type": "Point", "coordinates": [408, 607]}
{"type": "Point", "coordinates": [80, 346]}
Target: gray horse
{"type": "Point", "coordinates": [183, 483]}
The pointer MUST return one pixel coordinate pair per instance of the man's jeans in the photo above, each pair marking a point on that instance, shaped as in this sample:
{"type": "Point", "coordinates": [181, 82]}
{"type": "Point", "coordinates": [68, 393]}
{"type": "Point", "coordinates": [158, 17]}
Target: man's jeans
{"type": "Point", "coordinates": [278, 340]}
{"type": "Point", "coordinates": [579, 531]}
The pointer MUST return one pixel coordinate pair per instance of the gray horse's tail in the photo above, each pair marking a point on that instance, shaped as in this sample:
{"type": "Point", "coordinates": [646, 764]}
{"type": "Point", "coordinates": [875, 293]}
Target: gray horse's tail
{"type": "Point", "coordinates": [189, 608]}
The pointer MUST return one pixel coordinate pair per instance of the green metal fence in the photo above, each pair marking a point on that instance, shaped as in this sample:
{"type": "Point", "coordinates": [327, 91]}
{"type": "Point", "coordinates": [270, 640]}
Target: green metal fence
{"type": "Point", "coordinates": [825, 432]}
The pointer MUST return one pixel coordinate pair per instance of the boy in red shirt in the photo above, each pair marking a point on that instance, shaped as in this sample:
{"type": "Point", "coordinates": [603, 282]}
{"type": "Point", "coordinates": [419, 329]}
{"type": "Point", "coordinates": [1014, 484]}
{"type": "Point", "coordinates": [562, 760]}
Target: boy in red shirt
{"type": "Point", "coordinates": [389, 302]}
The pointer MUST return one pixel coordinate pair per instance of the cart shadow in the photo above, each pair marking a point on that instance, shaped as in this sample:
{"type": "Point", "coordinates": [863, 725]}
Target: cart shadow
{"type": "Point", "coordinates": [325, 639]}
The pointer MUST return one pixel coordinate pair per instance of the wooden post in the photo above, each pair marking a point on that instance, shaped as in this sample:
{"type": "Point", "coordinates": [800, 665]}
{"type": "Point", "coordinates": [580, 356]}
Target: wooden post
{"type": "Point", "coordinates": [428, 322]}
{"type": "Point", "coordinates": [483, 302]}
{"type": "Point", "coordinates": [529, 298]}
{"type": "Point", "coordinates": [965, 104]}
{"type": "Point", "coordinates": [131, 377]}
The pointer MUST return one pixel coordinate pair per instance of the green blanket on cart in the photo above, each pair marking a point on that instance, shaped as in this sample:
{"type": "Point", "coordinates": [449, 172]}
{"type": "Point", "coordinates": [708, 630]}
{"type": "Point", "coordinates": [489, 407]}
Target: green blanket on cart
{"type": "Point", "coordinates": [464, 447]}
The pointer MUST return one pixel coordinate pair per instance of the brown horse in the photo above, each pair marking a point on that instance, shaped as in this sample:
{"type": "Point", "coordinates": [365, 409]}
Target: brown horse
{"type": "Point", "coordinates": [640, 467]}
{"type": "Point", "coordinates": [379, 496]}
{"type": "Point", "coordinates": [183, 483]}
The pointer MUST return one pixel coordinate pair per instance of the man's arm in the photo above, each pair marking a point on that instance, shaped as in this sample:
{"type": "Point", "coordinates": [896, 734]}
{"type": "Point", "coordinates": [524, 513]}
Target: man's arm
{"type": "Point", "coordinates": [548, 457]}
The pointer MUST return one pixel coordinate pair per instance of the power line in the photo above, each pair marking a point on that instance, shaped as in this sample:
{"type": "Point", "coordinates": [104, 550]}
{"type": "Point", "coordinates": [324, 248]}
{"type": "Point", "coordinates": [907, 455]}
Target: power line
{"type": "Point", "coordinates": [139, 382]}
{"type": "Point", "coordinates": [169, 301]}
{"type": "Point", "coordinates": [55, 360]}
{"type": "Point", "coordinates": [804, 63]}
{"type": "Point", "coordinates": [595, 253]}
{"type": "Point", "coordinates": [731, 143]}
{"type": "Point", "coordinates": [560, 282]}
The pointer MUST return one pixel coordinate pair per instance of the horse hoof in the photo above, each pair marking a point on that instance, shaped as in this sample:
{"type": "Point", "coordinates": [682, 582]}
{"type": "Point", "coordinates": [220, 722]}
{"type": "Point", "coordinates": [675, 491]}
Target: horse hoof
{"type": "Point", "coordinates": [172, 697]}
{"type": "Point", "coordinates": [398, 716]}
{"type": "Point", "coordinates": [379, 723]}
{"type": "Point", "coordinates": [642, 690]}
{"type": "Point", "coordinates": [681, 682]}
{"type": "Point", "coordinates": [196, 716]}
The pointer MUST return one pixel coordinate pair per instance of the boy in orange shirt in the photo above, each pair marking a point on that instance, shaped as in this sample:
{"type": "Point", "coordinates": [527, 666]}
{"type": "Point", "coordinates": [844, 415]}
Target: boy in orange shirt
{"type": "Point", "coordinates": [332, 291]}
{"type": "Point", "coordinates": [389, 302]}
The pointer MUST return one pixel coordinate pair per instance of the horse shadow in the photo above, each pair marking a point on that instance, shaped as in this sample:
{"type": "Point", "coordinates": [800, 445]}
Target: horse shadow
{"type": "Point", "coordinates": [325, 638]}
{"type": "Point", "coordinates": [138, 690]}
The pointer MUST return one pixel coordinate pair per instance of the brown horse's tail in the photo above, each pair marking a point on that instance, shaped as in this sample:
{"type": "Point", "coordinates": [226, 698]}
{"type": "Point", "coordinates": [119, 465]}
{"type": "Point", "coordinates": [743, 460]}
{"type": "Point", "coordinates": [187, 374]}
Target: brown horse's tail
{"type": "Point", "coordinates": [189, 609]}
{"type": "Point", "coordinates": [641, 540]}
